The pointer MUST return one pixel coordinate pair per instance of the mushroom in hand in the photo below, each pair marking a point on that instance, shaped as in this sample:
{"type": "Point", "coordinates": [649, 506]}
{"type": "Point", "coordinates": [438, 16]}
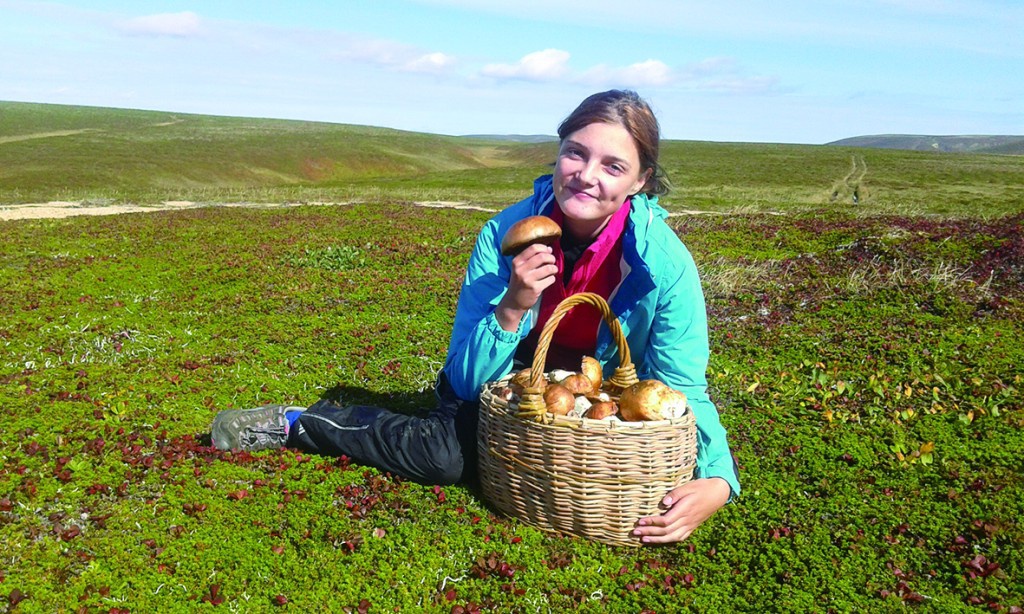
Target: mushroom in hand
{"type": "Point", "coordinates": [530, 230]}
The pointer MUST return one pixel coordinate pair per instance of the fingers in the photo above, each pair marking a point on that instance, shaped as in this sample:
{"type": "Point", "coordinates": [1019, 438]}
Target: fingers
{"type": "Point", "coordinates": [533, 271]}
{"type": "Point", "coordinates": [675, 524]}
{"type": "Point", "coordinates": [664, 534]}
{"type": "Point", "coordinates": [686, 508]}
{"type": "Point", "coordinates": [535, 262]}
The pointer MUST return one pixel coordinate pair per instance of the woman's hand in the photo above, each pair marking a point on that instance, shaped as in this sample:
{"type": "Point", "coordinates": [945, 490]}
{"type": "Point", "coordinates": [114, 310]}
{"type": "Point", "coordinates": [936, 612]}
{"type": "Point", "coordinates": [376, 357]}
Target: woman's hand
{"type": "Point", "coordinates": [533, 270]}
{"type": "Point", "coordinates": [686, 507]}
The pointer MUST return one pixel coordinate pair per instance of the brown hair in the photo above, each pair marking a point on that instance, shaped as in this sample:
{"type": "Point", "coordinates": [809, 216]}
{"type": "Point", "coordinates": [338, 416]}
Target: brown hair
{"type": "Point", "coordinates": [627, 108]}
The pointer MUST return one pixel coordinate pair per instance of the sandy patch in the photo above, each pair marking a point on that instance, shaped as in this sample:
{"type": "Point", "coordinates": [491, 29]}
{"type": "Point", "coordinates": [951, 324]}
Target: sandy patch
{"type": "Point", "coordinates": [452, 204]}
{"type": "Point", "coordinates": [63, 209]}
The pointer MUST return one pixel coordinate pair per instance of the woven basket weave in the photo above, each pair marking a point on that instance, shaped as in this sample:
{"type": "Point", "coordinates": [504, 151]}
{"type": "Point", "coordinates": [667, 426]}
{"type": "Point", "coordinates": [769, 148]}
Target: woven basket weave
{"type": "Point", "coordinates": [584, 477]}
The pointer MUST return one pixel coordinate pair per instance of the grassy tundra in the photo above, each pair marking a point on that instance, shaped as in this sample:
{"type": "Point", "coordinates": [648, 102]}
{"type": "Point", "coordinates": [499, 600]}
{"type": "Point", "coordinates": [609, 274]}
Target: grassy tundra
{"type": "Point", "coordinates": [865, 359]}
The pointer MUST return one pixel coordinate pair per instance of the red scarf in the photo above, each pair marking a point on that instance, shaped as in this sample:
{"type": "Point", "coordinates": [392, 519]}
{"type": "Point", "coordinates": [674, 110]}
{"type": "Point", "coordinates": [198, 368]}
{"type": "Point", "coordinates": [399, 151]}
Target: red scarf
{"type": "Point", "coordinates": [596, 271]}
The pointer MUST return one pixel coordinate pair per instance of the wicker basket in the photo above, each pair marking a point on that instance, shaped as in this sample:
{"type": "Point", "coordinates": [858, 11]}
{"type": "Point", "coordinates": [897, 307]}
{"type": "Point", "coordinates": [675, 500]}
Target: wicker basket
{"type": "Point", "coordinates": [584, 477]}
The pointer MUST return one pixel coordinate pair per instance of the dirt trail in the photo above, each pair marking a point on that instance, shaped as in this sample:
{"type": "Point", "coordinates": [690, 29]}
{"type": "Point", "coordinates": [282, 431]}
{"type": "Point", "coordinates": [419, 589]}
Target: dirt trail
{"type": "Point", "coordinates": [44, 135]}
{"type": "Point", "coordinates": [851, 187]}
{"type": "Point", "coordinates": [63, 209]}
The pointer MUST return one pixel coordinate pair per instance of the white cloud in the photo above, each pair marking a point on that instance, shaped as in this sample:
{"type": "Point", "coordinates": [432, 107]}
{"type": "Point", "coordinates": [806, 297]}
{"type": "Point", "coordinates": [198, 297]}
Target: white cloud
{"type": "Point", "coordinates": [742, 85]}
{"type": "Point", "coordinates": [650, 73]}
{"type": "Point", "coordinates": [546, 65]}
{"type": "Point", "coordinates": [725, 75]}
{"type": "Point", "coordinates": [182, 25]}
{"type": "Point", "coordinates": [711, 66]}
{"type": "Point", "coordinates": [393, 55]}
{"type": "Point", "coordinates": [381, 52]}
{"type": "Point", "coordinates": [715, 74]}
{"type": "Point", "coordinates": [433, 63]}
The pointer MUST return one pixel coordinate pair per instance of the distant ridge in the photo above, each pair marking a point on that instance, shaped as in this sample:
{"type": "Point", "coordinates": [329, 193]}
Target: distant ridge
{"type": "Point", "coordinates": [1013, 145]}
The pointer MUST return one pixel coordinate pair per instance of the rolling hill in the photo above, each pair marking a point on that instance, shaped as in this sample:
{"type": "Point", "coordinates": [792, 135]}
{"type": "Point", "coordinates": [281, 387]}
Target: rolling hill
{"type": "Point", "coordinates": [1012, 145]}
{"type": "Point", "coordinates": [98, 156]}
{"type": "Point", "coordinates": [103, 148]}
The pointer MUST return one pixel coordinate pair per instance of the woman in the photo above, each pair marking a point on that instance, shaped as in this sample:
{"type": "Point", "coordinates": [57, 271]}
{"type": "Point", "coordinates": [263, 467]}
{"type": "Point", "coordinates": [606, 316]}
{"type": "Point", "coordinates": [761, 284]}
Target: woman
{"type": "Point", "coordinates": [603, 193]}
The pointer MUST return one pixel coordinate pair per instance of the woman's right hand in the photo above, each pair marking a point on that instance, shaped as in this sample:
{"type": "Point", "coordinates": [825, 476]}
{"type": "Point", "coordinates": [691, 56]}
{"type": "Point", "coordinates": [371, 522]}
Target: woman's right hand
{"type": "Point", "coordinates": [533, 270]}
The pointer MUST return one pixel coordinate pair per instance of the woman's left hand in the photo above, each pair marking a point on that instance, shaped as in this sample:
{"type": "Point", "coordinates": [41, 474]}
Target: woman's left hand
{"type": "Point", "coordinates": [686, 507]}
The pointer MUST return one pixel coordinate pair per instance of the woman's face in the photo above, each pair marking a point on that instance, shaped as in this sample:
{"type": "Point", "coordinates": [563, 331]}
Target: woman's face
{"type": "Point", "coordinates": [598, 167]}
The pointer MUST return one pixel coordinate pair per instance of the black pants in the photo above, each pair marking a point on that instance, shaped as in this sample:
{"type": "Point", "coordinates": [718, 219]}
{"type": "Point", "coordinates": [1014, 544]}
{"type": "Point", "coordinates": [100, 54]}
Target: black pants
{"type": "Point", "coordinates": [437, 449]}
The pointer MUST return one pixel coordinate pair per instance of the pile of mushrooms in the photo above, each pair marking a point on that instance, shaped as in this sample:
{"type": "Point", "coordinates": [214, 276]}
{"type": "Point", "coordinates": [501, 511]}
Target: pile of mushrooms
{"type": "Point", "coordinates": [579, 394]}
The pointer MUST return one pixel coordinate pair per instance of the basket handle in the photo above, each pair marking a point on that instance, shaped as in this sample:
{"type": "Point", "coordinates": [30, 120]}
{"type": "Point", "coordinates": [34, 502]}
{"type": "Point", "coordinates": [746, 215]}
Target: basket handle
{"type": "Point", "coordinates": [532, 406]}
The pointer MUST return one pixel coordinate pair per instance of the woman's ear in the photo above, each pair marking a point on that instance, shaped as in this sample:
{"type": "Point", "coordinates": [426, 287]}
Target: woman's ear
{"type": "Point", "coordinates": [641, 181]}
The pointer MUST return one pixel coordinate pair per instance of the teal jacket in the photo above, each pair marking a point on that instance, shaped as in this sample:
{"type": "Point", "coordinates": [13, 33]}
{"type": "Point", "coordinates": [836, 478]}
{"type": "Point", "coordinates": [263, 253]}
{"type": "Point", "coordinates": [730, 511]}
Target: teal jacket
{"type": "Point", "coordinates": [659, 303]}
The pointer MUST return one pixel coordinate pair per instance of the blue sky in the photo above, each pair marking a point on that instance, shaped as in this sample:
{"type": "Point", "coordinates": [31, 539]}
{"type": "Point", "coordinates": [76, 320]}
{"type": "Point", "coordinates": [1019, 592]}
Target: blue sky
{"type": "Point", "coordinates": [800, 71]}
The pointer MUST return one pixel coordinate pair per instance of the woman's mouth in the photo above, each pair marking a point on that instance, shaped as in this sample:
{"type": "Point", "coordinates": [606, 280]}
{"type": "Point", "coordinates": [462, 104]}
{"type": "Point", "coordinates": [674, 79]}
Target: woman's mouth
{"type": "Point", "coordinates": [581, 194]}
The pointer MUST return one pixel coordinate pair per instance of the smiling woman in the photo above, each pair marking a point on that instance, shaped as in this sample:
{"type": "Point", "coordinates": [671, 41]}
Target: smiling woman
{"type": "Point", "coordinates": [595, 173]}
{"type": "Point", "coordinates": [614, 243]}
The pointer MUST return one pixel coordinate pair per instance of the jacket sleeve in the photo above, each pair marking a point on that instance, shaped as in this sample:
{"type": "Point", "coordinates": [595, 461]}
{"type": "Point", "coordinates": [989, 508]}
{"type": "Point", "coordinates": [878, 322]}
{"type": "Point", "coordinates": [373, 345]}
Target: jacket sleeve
{"type": "Point", "coordinates": [677, 354]}
{"type": "Point", "coordinates": [480, 350]}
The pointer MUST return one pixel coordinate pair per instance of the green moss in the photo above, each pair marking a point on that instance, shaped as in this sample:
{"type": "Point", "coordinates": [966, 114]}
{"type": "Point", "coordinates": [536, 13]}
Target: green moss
{"type": "Point", "coordinates": [874, 412]}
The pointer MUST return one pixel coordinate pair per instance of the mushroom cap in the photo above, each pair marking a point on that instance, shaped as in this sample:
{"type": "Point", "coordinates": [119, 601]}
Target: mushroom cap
{"type": "Point", "coordinates": [650, 400]}
{"type": "Point", "coordinates": [522, 378]}
{"type": "Point", "coordinates": [559, 400]}
{"type": "Point", "coordinates": [602, 410]}
{"type": "Point", "coordinates": [530, 230]}
{"type": "Point", "coordinates": [592, 369]}
{"type": "Point", "coordinates": [577, 383]}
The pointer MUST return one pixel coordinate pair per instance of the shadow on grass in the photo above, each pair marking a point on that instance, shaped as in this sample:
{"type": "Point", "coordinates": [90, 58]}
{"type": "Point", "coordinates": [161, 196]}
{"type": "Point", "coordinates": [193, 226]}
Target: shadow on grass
{"type": "Point", "coordinates": [417, 404]}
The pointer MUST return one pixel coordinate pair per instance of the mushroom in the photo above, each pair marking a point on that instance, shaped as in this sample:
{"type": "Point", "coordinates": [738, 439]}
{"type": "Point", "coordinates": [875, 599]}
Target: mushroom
{"type": "Point", "coordinates": [577, 383]}
{"type": "Point", "coordinates": [530, 230]}
{"type": "Point", "coordinates": [557, 376]}
{"type": "Point", "coordinates": [521, 381]}
{"type": "Point", "coordinates": [602, 410]}
{"type": "Point", "coordinates": [522, 378]}
{"type": "Point", "coordinates": [651, 400]}
{"type": "Point", "coordinates": [592, 369]}
{"type": "Point", "coordinates": [559, 400]}
{"type": "Point", "coordinates": [507, 393]}
{"type": "Point", "coordinates": [581, 407]}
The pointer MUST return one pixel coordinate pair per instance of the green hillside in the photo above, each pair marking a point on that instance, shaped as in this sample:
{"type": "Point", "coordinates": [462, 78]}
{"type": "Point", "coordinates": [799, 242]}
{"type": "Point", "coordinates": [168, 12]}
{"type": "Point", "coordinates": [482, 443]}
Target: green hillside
{"type": "Point", "coordinates": [48, 150]}
{"type": "Point", "coordinates": [55, 152]}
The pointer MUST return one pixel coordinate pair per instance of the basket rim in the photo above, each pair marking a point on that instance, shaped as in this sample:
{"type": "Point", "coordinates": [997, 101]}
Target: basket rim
{"type": "Point", "coordinates": [549, 419]}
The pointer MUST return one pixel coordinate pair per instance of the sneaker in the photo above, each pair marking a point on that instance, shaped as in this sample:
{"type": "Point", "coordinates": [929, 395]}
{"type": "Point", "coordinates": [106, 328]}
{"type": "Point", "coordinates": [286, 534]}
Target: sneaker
{"type": "Point", "coordinates": [251, 429]}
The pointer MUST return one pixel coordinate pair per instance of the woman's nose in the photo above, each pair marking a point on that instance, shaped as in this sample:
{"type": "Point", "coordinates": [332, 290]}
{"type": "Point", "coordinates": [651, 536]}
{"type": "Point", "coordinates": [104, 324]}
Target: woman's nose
{"type": "Point", "coordinates": [587, 173]}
